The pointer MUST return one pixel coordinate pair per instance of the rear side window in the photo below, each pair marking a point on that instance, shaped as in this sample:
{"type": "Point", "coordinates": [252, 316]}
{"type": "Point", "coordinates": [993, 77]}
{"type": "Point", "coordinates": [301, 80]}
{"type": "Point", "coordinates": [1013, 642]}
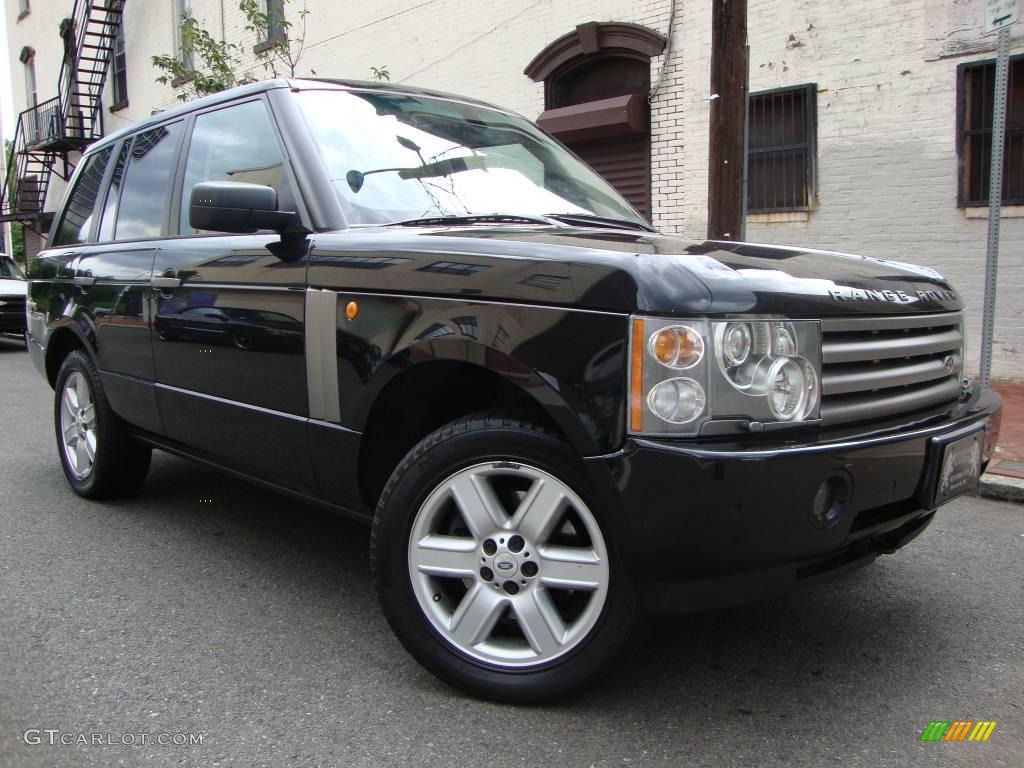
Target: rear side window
{"type": "Point", "coordinates": [147, 183]}
{"type": "Point", "coordinates": [77, 218]}
{"type": "Point", "coordinates": [233, 144]}
{"type": "Point", "coordinates": [110, 206]}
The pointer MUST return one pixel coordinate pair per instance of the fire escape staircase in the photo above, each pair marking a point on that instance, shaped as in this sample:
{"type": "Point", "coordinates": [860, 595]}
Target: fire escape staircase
{"type": "Point", "coordinates": [69, 122]}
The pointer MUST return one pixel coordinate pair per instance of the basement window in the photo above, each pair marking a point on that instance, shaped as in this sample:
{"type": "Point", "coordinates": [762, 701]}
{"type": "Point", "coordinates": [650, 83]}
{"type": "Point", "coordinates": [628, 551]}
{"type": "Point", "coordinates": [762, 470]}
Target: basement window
{"type": "Point", "coordinates": [781, 149]}
{"type": "Point", "coordinates": [975, 92]}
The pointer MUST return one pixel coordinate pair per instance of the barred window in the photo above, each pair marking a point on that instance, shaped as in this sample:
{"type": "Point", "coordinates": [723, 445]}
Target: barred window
{"type": "Point", "coordinates": [781, 149]}
{"type": "Point", "coordinates": [975, 92]}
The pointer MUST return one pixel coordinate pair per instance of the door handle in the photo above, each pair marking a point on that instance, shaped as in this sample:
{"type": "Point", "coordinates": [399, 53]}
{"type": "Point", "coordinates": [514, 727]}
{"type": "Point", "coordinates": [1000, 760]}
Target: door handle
{"type": "Point", "coordinates": [85, 280]}
{"type": "Point", "coordinates": [68, 262]}
{"type": "Point", "coordinates": [167, 281]}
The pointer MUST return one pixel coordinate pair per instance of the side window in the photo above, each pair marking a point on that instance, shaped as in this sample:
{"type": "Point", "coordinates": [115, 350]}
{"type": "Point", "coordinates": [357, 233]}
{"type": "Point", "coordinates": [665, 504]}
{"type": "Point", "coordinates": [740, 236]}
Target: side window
{"type": "Point", "coordinates": [233, 144]}
{"type": "Point", "coordinates": [147, 182]}
{"type": "Point", "coordinates": [110, 206]}
{"type": "Point", "coordinates": [74, 225]}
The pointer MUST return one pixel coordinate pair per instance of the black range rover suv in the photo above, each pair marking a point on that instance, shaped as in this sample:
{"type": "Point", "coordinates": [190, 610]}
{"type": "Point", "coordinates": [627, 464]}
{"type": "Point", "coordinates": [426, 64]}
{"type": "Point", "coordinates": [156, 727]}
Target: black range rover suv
{"type": "Point", "coordinates": [421, 311]}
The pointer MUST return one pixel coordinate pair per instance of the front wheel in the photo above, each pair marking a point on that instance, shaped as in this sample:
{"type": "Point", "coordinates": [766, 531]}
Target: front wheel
{"type": "Point", "coordinates": [495, 565]}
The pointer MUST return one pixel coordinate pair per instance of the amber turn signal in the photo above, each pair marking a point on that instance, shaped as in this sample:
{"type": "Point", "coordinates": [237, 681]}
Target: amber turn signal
{"type": "Point", "coordinates": [636, 375]}
{"type": "Point", "coordinates": [665, 346]}
{"type": "Point", "coordinates": [677, 346]}
{"type": "Point", "coordinates": [351, 310]}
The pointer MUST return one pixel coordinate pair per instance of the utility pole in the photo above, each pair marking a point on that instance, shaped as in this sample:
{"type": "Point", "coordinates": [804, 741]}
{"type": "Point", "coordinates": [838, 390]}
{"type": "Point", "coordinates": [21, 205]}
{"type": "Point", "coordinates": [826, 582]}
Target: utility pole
{"type": "Point", "coordinates": [730, 70]}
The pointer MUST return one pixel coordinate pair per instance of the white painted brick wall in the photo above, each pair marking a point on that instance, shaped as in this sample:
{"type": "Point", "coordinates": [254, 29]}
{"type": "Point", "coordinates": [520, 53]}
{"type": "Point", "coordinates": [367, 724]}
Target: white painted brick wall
{"type": "Point", "coordinates": [887, 162]}
{"type": "Point", "coordinates": [886, 74]}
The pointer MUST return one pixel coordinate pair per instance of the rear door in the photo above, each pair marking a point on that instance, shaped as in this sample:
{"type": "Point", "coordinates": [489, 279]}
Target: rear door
{"type": "Point", "coordinates": [113, 274]}
{"type": "Point", "coordinates": [229, 335]}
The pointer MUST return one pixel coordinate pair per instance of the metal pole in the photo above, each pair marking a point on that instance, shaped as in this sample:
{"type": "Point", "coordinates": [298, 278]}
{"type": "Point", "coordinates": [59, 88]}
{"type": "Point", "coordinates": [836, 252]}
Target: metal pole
{"type": "Point", "coordinates": [995, 200]}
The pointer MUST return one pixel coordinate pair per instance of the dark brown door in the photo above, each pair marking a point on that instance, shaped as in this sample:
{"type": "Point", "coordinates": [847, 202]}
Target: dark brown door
{"type": "Point", "coordinates": [585, 111]}
{"type": "Point", "coordinates": [625, 163]}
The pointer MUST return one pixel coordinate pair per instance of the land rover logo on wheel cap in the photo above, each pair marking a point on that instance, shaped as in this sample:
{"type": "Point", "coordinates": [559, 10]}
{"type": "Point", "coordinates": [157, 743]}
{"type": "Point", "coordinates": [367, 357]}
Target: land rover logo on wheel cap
{"type": "Point", "coordinates": [505, 565]}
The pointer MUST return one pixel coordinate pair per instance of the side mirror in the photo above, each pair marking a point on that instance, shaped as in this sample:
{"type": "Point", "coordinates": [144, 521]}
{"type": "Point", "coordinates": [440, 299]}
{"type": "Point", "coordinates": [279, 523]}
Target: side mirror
{"type": "Point", "coordinates": [236, 206]}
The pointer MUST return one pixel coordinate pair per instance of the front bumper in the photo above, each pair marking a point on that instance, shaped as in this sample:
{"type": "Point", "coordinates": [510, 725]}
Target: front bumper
{"type": "Point", "coordinates": [709, 525]}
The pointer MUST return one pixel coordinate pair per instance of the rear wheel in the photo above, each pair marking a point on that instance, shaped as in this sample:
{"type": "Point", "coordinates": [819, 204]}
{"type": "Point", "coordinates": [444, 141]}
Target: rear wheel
{"type": "Point", "coordinates": [242, 339]}
{"type": "Point", "coordinates": [99, 456]}
{"type": "Point", "coordinates": [495, 565]}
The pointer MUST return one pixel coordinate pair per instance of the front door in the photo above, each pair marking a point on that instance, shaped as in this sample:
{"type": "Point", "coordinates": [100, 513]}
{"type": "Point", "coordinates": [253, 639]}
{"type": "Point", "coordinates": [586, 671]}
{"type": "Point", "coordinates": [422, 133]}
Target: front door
{"type": "Point", "coordinates": [228, 328]}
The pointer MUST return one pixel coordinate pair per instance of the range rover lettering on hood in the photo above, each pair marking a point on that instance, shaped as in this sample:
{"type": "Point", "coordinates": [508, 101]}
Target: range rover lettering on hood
{"type": "Point", "coordinates": [844, 293]}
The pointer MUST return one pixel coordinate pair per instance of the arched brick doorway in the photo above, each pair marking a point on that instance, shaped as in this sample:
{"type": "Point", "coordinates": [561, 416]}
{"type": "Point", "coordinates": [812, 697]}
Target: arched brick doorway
{"type": "Point", "coordinates": [596, 82]}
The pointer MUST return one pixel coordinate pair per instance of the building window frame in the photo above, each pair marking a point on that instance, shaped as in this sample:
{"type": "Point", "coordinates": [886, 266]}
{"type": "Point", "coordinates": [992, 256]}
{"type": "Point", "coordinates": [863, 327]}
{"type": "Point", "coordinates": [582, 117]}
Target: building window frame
{"type": "Point", "coordinates": [808, 147]}
{"type": "Point", "coordinates": [28, 60]}
{"type": "Point", "coordinates": [277, 30]}
{"type": "Point", "coordinates": [181, 9]}
{"type": "Point", "coordinates": [965, 197]}
{"type": "Point", "coordinates": [119, 71]}
{"type": "Point", "coordinates": [24, 9]}
{"type": "Point", "coordinates": [32, 128]}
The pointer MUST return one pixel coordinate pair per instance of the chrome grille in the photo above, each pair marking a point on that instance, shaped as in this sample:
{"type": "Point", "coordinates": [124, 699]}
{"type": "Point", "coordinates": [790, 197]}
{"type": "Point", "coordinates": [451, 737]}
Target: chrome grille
{"type": "Point", "coordinates": [874, 367]}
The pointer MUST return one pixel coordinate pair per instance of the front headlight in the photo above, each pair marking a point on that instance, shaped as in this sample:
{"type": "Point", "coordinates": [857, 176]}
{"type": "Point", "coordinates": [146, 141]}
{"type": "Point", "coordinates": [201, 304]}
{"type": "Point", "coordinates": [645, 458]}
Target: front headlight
{"type": "Point", "coordinates": [735, 373]}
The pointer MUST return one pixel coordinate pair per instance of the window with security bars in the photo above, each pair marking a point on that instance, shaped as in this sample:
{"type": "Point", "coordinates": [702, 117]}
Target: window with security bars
{"type": "Point", "coordinates": [975, 99]}
{"type": "Point", "coordinates": [781, 149]}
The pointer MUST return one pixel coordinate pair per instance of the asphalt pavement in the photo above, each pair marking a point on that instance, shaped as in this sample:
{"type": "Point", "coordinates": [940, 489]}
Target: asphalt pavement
{"type": "Point", "coordinates": [206, 609]}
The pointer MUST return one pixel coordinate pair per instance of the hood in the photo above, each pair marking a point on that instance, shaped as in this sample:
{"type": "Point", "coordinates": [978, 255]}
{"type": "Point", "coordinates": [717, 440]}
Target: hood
{"type": "Point", "coordinates": [12, 287]}
{"type": "Point", "coordinates": [627, 271]}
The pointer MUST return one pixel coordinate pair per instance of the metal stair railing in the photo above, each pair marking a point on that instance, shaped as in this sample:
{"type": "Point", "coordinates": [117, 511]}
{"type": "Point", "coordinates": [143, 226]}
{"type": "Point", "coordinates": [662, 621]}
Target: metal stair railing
{"type": "Point", "coordinates": [28, 170]}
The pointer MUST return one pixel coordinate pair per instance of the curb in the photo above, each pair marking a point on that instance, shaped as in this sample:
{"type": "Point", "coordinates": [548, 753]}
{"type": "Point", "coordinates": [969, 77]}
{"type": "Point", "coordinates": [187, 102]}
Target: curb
{"type": "Point", "coordinates": [1001, 488]}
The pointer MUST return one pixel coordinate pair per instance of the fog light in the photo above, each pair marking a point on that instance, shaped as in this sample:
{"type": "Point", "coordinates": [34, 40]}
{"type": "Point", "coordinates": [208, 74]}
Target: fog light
{"type": "Point", "coordinates": [829, 501]}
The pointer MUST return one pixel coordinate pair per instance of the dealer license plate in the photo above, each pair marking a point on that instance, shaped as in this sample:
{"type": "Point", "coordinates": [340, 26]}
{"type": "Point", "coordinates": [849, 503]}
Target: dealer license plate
{"type": "Point", "coordinates": [961, 467]}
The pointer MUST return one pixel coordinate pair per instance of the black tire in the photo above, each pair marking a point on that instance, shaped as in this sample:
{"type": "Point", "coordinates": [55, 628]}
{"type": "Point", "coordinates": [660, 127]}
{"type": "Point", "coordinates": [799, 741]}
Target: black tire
{"type": "Point", "coordinates": [121, 462]}
{"type": "Point", "coordinates": [464, 443]}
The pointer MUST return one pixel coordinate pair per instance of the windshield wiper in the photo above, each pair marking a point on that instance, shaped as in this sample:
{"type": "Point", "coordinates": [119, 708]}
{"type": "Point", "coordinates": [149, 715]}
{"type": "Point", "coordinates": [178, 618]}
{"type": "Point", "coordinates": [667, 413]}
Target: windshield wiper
{"type": "Point", "coordinates": [475, 218]}
{"type": "Point", "coordinates": [592, 220]}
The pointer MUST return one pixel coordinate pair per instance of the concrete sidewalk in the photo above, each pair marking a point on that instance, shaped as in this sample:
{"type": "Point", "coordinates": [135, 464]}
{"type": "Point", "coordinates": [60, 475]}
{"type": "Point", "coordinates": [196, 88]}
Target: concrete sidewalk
{"type": "Point", "coordinates": [1005, 476]}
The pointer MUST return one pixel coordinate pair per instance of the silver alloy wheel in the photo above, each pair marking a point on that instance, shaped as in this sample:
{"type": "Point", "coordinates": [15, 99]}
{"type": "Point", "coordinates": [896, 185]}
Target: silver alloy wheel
{"type": "Point", "coordinates": [508, 564]}
{"type": "Point", "coordinates": [78, 424]}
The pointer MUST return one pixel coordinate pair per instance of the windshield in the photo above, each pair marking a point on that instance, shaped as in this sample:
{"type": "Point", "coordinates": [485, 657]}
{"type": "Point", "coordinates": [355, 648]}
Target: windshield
{"type": "Point", "coordinates": [8, 269]}
{"type": "Point", "coordinates": [397, 157]}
